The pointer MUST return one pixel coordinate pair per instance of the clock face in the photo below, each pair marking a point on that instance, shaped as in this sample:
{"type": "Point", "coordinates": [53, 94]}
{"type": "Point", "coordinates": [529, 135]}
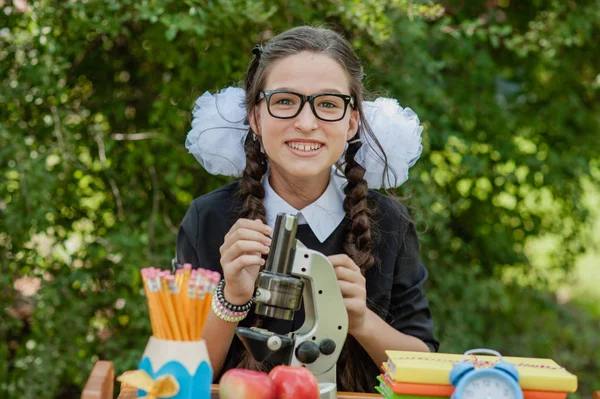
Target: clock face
{"type": "Point", "coordinates": [488, 387]}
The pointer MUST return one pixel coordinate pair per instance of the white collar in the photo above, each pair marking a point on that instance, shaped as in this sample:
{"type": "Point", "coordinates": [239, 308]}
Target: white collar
{"type": "Point", "coordinates": [323, 216]}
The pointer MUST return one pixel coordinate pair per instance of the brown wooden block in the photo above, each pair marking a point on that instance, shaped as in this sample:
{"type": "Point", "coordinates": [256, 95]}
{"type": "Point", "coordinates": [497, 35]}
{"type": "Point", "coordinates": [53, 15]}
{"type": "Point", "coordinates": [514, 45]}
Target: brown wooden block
{"type": "Point", "coordinates": [100, 383]}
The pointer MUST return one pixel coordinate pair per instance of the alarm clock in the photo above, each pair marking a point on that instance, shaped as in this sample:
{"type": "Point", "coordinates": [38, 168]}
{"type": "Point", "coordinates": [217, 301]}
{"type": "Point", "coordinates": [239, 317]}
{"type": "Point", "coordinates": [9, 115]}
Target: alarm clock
{"type": "Point", "coordinates": [498, 382]}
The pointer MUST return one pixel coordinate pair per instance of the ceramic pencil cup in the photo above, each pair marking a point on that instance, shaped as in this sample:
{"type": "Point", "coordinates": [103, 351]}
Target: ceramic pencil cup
{"type": "Point", "coordinates": [185, 362]}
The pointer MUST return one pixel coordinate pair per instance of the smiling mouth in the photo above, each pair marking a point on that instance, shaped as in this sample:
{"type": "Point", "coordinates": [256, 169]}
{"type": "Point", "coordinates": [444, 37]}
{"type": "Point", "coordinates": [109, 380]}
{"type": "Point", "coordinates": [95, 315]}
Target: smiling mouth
{"type": "Point", "coordinates": [308, 147]}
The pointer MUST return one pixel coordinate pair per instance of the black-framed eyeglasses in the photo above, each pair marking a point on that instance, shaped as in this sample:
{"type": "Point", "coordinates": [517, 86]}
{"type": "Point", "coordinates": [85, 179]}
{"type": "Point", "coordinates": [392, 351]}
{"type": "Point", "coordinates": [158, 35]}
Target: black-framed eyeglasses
{"type": "Point", "coordinates": [285, 104]}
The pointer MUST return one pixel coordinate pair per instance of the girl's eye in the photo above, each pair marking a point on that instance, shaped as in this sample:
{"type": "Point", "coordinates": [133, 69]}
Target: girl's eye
{"type": "Point", "coordinates": [285, 101]}
{"type": "Point", "coordinates": [327, 104]}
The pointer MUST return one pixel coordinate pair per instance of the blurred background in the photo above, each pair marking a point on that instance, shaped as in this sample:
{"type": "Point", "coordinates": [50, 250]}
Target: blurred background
{"type": "Point", "coordinates": [95, 101]}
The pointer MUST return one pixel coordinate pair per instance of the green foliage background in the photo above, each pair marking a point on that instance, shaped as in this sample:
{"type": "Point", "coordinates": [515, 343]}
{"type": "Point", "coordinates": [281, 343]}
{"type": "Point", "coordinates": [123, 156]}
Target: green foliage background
{"type": "Point", "coordinates": [95, 102]}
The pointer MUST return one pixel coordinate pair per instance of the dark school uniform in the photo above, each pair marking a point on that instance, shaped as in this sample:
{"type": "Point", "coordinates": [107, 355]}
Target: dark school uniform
{"type": "Point", "coordinates": [394, 284]}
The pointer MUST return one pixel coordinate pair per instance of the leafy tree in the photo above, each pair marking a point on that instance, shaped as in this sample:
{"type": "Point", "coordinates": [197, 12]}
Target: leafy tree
{"type": "Point", "coordinates": [96, 99]}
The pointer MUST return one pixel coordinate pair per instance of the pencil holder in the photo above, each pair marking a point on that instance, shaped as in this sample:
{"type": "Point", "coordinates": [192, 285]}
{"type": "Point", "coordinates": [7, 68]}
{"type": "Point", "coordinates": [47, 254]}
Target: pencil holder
{"type": "Point", "coordinates": [187, 362]}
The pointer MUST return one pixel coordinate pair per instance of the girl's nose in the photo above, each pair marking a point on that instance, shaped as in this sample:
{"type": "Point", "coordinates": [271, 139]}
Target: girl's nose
{"type": "Point", "coordinates": [306, 120]}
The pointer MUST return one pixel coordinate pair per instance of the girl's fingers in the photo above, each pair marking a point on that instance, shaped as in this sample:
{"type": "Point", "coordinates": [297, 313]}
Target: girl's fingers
{"type": "Point", "coordinates": [350, 275]}
{"type": "Point", "coordinates": [249, 234]}
{"type": "Point", "coordinates": [343, 260]}
{"type": "Point", "coordinates": [351, 290]}
{"type": "Point", "coordinates": [246, 246]}
{"type": "Point", "coordinates": [245, 261]}
{"type": "Point", "coordinates": [242, 247]}
{"type": "Point", "coordinates": [245, 234]}
{"type": "Point", "coordinates": [247, 224]}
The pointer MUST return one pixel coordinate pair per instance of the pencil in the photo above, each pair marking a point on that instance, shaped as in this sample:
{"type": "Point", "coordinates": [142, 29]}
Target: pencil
{"type": "Point", "coordinates": [213, 279]}
{"type": "Point", "coordinates": [200, 289]}
{"type": "Point", "coordinates": [162, 305]}
{"type": "Point", "coordinates": [151, 308]}
{"type": "Point", "coordinates": [169, 308]}
{"type": "Point", "coordinates": [184, 296]}
{"type": "Point", "coordinates": [192, 309]}
{"type": "Point", "coordinates": [177, 306]}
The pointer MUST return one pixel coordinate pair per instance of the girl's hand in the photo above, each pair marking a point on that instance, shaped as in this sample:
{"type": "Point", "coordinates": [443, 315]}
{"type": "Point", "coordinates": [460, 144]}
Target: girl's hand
{"type": "Point", "coordinates": [241, 258]}
{"type": "Point", "coordinates": [353, 286]}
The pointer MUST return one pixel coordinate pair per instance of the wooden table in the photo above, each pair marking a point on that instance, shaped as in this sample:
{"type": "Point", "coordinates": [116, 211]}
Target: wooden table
{"type": "Point", "coordinates": [130, 393]}
{"type": "Point", "coordinates": [100, 385]}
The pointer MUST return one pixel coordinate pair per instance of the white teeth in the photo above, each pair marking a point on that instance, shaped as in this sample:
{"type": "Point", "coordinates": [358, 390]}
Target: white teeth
{"type": "Point", "coordinates": [305, 147]}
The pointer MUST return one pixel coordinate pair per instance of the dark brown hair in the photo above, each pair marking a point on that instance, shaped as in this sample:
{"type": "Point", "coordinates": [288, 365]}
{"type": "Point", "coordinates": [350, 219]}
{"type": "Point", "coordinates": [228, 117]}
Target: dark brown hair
{"type": "Point", "coordinates": [359, 236]}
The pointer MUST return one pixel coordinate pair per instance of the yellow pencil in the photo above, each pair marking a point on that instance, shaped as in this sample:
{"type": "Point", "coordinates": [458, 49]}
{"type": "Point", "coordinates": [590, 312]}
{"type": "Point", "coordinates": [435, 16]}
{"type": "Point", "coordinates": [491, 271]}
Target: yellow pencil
{"type": "Point", "coordinates": [179, 316]}
{"type": "Point", "coordinates": [162, 330]}
{"type": "Point", "coordinates": [186, 300]}
{"type": "Point", "coordinates": [212, 279]}
{"type": "Point", "coordinates": [192, 304]}
{"type": "Point", "coordinates": [187, 271]}
{"type": "Point", "coordinates": [201, 290]}
{"type": "Point", "coordinates": [169, 308]}
{"type": "Point", "coordinates": [192, 309]}
{"type": "Point", "coordinates": [151, 309]}
{"type": "Point", "coordinates": [156, 289]}
{"type": "Point", "coordinates": [179, 277]}
{"type": "Point", "coordinates": [181, 288]}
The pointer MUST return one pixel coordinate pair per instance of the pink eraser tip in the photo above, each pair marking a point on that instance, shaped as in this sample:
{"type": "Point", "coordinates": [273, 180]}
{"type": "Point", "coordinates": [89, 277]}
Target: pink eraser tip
{"type": "Point", "coordinates": [187, 266]}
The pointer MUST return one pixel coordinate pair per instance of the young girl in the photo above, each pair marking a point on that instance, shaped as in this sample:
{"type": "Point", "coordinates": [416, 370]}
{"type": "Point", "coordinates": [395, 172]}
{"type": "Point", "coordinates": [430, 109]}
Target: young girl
{"type": "Point", "coordinates": [303, 145]}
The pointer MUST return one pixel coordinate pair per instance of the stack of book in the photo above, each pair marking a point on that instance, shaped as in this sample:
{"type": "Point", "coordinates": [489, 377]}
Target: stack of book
{"type": "Point", "coordinates": [418, 375]}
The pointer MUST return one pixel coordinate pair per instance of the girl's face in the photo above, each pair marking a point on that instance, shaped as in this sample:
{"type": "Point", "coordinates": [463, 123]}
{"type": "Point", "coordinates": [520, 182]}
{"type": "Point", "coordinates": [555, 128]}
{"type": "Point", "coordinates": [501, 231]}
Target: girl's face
{"type": "Point", "coordinates": [304, 146]}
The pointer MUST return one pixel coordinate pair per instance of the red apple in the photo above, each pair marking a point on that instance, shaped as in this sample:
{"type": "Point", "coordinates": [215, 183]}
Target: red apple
{"type": "Point", "coordinates": [246, 384]}
{"type": "Point", "coordinates": [295, 383]}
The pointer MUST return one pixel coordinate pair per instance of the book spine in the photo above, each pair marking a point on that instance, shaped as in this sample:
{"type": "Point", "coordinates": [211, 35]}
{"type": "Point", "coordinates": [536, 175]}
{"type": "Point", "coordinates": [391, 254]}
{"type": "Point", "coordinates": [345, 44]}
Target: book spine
{"type": "Point", "coordinates": [441, 377]}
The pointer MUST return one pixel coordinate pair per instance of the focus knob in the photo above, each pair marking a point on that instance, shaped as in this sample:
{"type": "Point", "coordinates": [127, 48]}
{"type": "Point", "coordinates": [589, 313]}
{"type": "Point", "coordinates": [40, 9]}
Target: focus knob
{"type": "Point", "coordinates": [307, 352]}
{"type": "Point", "coordinates": [327, 346]}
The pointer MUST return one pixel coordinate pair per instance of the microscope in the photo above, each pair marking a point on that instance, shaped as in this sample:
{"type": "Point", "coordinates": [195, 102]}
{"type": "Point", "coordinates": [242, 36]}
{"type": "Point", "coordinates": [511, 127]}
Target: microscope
{"type": "Point", "coordinates": [292, 274]}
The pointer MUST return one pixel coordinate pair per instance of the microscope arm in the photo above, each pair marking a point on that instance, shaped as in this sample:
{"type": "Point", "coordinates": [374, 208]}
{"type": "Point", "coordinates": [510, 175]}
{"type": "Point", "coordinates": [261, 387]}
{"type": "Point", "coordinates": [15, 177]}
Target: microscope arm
{"type": "Point", "coordinates": [320, 339]}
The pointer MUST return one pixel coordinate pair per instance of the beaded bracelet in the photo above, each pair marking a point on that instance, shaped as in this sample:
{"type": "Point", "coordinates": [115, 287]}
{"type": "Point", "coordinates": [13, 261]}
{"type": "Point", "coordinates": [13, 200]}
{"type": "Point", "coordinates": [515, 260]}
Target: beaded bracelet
{"type": "Point", "coordinates": [226, 310]}
{"type": "Point", "coordinates": [236, 308]}
{"type": "Point", "coordinates": [226, 314]}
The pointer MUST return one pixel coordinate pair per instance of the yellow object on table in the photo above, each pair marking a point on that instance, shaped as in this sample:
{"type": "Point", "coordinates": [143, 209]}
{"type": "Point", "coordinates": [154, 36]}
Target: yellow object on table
{"type": "Point", "coordinates": [434, 368]}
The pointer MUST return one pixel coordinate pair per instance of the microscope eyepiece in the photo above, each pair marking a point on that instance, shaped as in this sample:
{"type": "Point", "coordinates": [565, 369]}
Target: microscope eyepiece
{"type": "Point", "coordinates": [283, 245]}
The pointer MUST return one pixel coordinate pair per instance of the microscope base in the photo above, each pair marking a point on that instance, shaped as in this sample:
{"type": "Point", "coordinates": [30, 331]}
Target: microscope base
{"type": "Point", "coordinates": [327, 384]}
{"type": "Point", "coordinates": [328, 390]}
